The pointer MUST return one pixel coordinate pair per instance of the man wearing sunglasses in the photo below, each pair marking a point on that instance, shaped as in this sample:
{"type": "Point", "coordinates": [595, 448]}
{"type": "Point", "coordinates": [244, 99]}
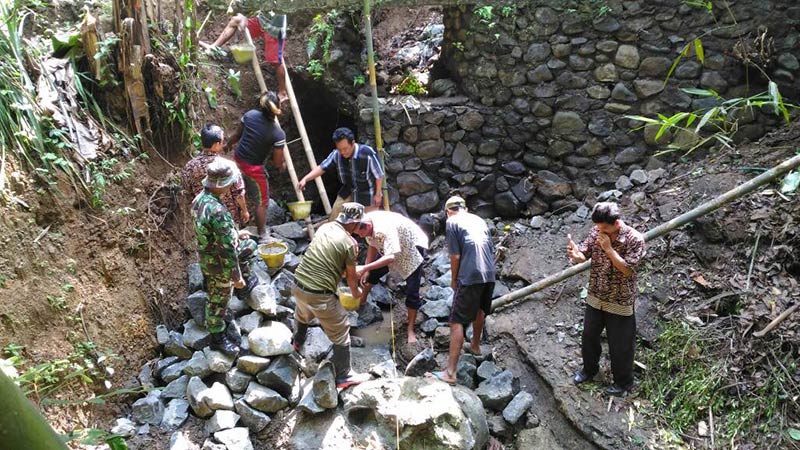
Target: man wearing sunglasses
{"type": "Point", "coordinates": [396, 245]}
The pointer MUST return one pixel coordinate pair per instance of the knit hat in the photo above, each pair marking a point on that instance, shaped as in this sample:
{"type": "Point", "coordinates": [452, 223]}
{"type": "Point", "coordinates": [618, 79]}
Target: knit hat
{"type": "Point", "coordinates": [455, 201]}
{"type": "Point", "coordinates": [219, 174]}
{"type": "Point", "coordinates": [352, 212]}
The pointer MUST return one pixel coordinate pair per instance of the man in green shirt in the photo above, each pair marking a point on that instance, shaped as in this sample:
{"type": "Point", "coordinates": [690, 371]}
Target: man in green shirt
{"type": "Point", "coordinates": [331, 253]}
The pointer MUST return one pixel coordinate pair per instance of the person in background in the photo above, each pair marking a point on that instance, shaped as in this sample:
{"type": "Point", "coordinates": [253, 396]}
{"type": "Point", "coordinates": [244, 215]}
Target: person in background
{"type": "Point", "coordinates": [359, 171]}
{"type": "Point", "coordinates": [212, 138]}
{"type": "Point", "coordinates": [331, 253]}
{"type": "Point", "coordinates": [616, 250]}
{"type": "Point", "coordinates": [223, 252]}
{"type": "Point", "coordinates": [272, 27]}
{"type": "Point", "coordinates": [396, 245]}
{"type": "Point", "coordinates": [258, 137]}
{"type": "Point", "coordinates": [472, 263]}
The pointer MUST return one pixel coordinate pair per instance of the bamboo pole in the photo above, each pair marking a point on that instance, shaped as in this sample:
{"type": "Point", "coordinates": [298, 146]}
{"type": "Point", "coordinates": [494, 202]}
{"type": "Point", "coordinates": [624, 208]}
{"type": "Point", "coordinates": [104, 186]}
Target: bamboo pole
{"type": "Point", "coordinates": [664, 228]}
{"type": "Point", "coordinates": [21, 424]}
{"type": "Point", "coordinates": [301, 128]}
{"type": "Point", "coordinates": [373, 86]}
{"type": "Point", "coordinates": [287, 157]}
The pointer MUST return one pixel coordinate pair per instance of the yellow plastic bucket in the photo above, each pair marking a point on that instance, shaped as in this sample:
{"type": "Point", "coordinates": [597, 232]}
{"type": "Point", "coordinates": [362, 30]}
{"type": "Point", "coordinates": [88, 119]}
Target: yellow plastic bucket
{"type": "Point", "coordinates": [273, 253]}
{"type": "Point", "coordinates": [299, 210]}
{"type": "Point", "coordinates": [349, 302]}
{"type": "Point", "coordinates": [242, 53]}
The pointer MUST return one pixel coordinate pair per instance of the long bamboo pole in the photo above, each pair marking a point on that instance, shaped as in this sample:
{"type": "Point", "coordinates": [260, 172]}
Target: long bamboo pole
{"type": "Point", "coordinates": [376, 113]}
{"type": "Point", "coordinates": [301, 128]}
{"type": "Point", "coordinates": [664, 228]}
{"type": "Point", "coordinates": [21, 424]}
{"type": "Point", "coordinates": [287, 157]}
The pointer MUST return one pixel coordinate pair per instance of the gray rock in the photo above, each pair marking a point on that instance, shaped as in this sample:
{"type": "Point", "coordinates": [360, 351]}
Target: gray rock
{"type": "Point", "coordinates": [175, 414]}
{"type": "Point", "coordinates": [566, 123]}
{"type": "Point", "coordinates": [647, 88]}
{"type": "Point", "coordinates": [638, 198]}
{"type": "Point", "coordinates": [162, 334]}
{"type": "Point", "coordinates": [507, 205]}
{"type": "Point", "coordinates": [195, 336]}
{"type": "Point", "coordinates": [470, 121]}
{"type": "Point", "coordinates": [487, 370]}
{"type": "Point", "coordinates": [275, 214]}
{"type": "Point", "coordinates": [124, 427]}
{"type": "Point", "coordinates": [410, 183]}
{"type": "Point", "coordinates": [655, 174]}
{"type": "Point", "coordinates": [264, 399]}
{"type": "Point", "coordinates": [499, 427]}
{"type": "Point", "coordinates": [173, 372]}
{"type": "Point", "coordinates": [283, 283]}
{"type": "Point", "coordinates": [289, 230]}
{"type": "Point", "coordinates": [368, 314]}
{"type": "Point", "coordinates": [221, 420]}
{"type": "Point", "coordinates": [462, 159]}
{"type": "Point", "coordinates": [429, 326]}
{"type": "Point", "coordinates": [465, 371]}
{"type": "Point", "coordinates": [422, 203]}
{"type": "Point", "coordinates": [436, 308]}
{"type": "Point", "coordinates": [176, 347]}
{"type": "Point", "coordinates": [639, 177]}
{"type": "Point", "coordinates": [237, 380]}
{"type": "Point", "coordinates": [324, 387]}
{"type": "Point", "coordinates": [179, 441]}
{"type": "Point", "coordinates": [443, 87]}
{"type": "Point", "coordinates": [444, 280]}
{"type": "Point", "coordinates": [317, 345]}
{"type": "Point", "coordinates": [438, 293]}
{"type": "Point", "coordinates": [654, 66]}
{"type": "Point", "coordinates": [630, 155]}
{"type": "Point", "coordinates": [197, 366]}
{"type": "Point", "coordinates": [496, 392]}
{"type": "Point", "coordinates": [423, 362]}
{"type": "Point", "coordinates": [713, 80]}
{"type": "Point", "coordinates": [145, 376]}
{"type": "Point", "coordinates": [217, 397]}
{"type": "Point", "coordinates": [627, 57]}
{"type": "Point", "coordinates": [540, 74]}
{"type": "Point", "coordinates": [280, 376]}
{"type": "Point", "coordinates": [176, 388]}
{"type": "Point", "coordinates": [552, 187]}
{"type": "Point", "coordinates": [623, 183]}
{"type": "Point", "coordinates": [622, 93]}
{"type": "Point", "coordinates": [237, 306]}
{"type": "Point", "coordinates": [250, 321]}
{"type": "Point", "coordinates": [429, 149]}
{"type": "Point", "coordinates": [517, 407]}
{"type": "Point", "coordinates": [537, 52]}
{"type": "Point", "coordinates": [218, 362]}
{"type": "Point", "coordinates": [149, 409]}
{"type": "Point", "coordinates": [606, 73]}
{"type": "Point", "coordinates": [264, 299]}
{"type": "Point", "coordinates": [609, 195]}
{"type": "Point", "coordinates": [688, 70]}
{"type": "Point", "coordinates": [195, 277]}
{"type": "Point", "coordinates": [788, 61]}
{"type": "Point", "coordinates": [272, 339]}
{"type": "Point", "coordinates": [235, 439]}
{"type": "Point", "coordinates": [537, 222]}
{"type": "Point", "coordinates": [500, 289]}
{"type": "Point", "coordinates": [196, 392]}
{"type": "Point", "coordinates": [252, 364]}
{"type": "Point", "coordinates": [196, 302]}
{"type": "Point", "coordinates": [598, 92]}
{"type": "Point", "coordinates": [307, 403]}
{"type": "Point", "coordinates": [384, 369]}
{"type": "Point", "coordinates": [254, 419]}
{"type": "Point", "coordinates": [441, 338]}
{"type": "Point", "coordinates": [381, 296]}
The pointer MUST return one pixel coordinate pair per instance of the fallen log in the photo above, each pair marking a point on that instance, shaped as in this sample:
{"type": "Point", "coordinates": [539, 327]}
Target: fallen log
{"type": "Point", "coordinates": [664, 228]}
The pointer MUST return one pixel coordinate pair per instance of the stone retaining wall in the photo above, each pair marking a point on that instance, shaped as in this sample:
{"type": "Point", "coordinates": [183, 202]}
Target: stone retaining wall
{"type": "Point", "coordinates": [546, 90]}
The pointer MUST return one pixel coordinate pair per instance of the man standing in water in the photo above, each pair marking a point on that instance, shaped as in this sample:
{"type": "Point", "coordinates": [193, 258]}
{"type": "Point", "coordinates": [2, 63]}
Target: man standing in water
{"type": "Point", "coordinates": [473, 270]}
{"type": "Point", "coordinates": [616, 250]}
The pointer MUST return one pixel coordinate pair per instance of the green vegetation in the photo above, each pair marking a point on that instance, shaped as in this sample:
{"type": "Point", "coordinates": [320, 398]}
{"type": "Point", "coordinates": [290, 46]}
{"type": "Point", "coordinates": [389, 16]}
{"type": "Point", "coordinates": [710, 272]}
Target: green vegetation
{"type": "Point", "coordinates": [315, 69]}
{"type": "Point", "coordinates": [234, 78]}
{"type": "Point", "coordinates": [692, 373]}
{"type": "Point", "coordinates": [359, 80]}
{"type": "Point", "coordinates": [411, 86]}
{"type": "Point", "coordinates": [319, 43]}
{"type": "Point", "coordinates": [589, 9]}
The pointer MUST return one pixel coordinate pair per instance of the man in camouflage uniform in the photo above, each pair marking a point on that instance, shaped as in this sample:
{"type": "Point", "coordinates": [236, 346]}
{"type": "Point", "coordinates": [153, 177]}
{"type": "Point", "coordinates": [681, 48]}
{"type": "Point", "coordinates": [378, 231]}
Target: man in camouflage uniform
{"type": "Point", "coordinates": [220, 250]}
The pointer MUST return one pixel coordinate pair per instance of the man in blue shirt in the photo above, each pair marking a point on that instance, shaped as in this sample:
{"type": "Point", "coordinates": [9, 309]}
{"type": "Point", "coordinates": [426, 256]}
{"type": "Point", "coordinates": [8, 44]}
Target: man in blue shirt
{"type": "Point", "coordinates": [359, 171]}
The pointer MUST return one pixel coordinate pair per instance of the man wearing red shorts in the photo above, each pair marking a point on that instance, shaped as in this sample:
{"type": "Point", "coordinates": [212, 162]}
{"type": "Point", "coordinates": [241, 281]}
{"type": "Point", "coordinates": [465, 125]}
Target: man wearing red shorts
{"type": "Point", "coordinates": [272, 27]}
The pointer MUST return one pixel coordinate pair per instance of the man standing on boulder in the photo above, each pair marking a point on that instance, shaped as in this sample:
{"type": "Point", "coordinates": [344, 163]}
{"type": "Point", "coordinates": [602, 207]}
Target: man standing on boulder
{"type": "Point", "coordinates": [220, 250]}
{"type": "Point", "coordinates": [473, 275]}
{"type": "Point", "coordinates": [396, 245]}
{"type": "Point", "coordinates": [616, 250]}
{"type": "Point", "coordinates": [331, 253]}
{"type": "Point", "coordinates": [359, 171]}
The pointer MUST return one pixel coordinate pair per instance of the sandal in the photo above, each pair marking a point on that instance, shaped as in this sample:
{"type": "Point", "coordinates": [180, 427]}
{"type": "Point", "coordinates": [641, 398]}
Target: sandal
{"type": "Point", "coordinates": [440, 376]}
{"type": "Point", "coordinates": [468, 349]}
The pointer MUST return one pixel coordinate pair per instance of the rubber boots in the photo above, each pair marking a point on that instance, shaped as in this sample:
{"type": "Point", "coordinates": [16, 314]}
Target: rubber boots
{"type": "Point", "coordinates": [299, 337]}
{"type": "Point", "coordinates": [221, 342]}
{"type": "Point", "coordinates": [345, 377]}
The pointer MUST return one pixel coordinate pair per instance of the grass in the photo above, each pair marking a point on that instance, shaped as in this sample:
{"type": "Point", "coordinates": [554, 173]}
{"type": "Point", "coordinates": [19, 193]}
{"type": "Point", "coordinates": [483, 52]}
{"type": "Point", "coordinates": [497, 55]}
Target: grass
{"type": "Point", "coordinates": [694, 372]}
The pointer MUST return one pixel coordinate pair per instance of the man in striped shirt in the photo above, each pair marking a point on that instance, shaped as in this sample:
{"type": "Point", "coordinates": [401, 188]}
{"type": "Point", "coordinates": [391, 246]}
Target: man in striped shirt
{"type": "Point", "coordinates": [359, 172]}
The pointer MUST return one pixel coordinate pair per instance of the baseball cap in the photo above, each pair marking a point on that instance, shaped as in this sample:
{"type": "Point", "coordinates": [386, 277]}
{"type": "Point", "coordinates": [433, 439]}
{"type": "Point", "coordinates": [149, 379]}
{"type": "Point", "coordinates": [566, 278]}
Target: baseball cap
{"type": "Point", "coordinates": [219, 174]}
{"type": "Point", "coordinates": [455, 201]}
{"type": "Point", "coordinates": [352, 212]}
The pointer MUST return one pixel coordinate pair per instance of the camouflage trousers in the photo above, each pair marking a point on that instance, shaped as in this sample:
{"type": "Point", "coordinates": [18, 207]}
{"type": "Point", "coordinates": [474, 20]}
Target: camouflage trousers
{"type": "Point", "coordinates": [220, 288]}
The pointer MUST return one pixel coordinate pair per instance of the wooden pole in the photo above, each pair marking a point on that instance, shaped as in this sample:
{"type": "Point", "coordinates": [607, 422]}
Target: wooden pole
{"type": "Point", "coordinates": [664, 228]}
{"type": "Point", "coordinates": [301, 128]}
{"type": "Point", "coordinates": [21, 424]}
{"type": "Point", "coordinates": [287, 157]}
{"type": "Point", "coordinates": [376, 111]}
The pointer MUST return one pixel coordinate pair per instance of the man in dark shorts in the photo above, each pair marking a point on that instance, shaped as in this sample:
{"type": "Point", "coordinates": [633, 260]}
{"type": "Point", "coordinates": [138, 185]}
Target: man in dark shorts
{"type": "Point", "coordinates": [272, 27]}
{"type": "Point", "coordinates": [259, 136]}
{"type": "Point", "coordinates": [473, 270]}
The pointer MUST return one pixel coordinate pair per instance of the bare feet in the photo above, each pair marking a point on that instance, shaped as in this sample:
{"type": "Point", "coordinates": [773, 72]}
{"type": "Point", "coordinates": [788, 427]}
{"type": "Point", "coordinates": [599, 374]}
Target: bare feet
{"type": "Point", "coordinates": [494, 444]}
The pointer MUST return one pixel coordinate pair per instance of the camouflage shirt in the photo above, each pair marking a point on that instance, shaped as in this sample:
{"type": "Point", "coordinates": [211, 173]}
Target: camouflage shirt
{"type": "Point", "coordinates": [216, 237]}
{"type": "Point", "coordinates": [192, 182]}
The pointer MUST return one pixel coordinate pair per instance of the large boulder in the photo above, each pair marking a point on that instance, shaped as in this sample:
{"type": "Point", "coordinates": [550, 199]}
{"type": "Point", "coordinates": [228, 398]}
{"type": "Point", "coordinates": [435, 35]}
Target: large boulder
{"type": "Point", "coordinates": [272, 339]}
{"type": "Point", "coordinates": [429, 414]}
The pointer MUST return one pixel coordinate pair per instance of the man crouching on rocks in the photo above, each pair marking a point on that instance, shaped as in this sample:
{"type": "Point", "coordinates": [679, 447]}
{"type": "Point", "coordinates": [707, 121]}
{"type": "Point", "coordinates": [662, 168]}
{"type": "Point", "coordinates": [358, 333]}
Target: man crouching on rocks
{"type": "Point", "coordinates": [616, 250]}
{"type": "Point", "coordinates": [221, 249]}
{"type": "Point", "coordinates": [332, 252]}
{"type": "Point", "coordinates": [473, 266]}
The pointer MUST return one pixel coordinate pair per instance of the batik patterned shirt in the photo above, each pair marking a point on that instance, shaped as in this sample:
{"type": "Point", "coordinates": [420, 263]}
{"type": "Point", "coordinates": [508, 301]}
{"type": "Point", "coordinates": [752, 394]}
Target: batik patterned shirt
{"type": "Point", "coordinates": [192, 182]}
{"type": "Point", "coordinates": [395, 234]}
{"type": "Point", "coordinates": [609, 289]}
